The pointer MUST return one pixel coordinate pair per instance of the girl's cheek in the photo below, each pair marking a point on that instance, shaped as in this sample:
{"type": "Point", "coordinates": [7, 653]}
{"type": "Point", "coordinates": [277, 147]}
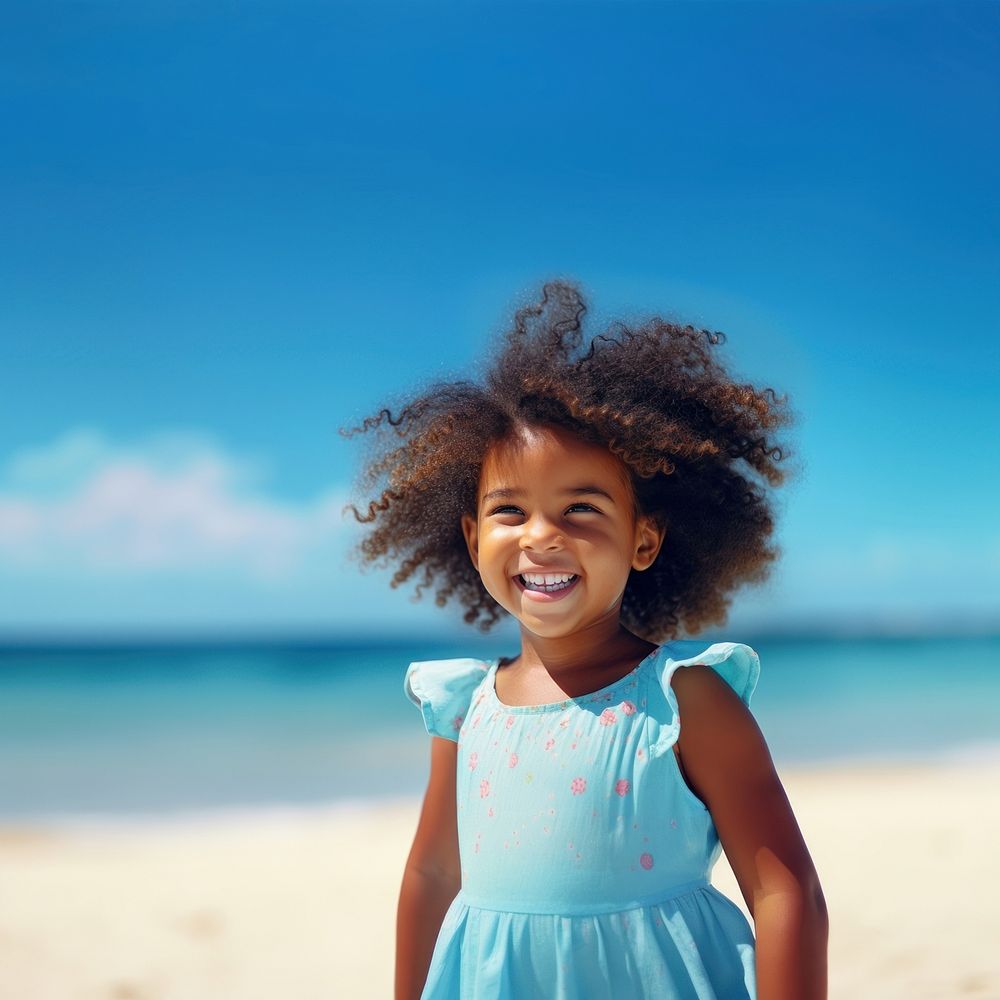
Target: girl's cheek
{"type": "Point", "coordinates": [494, 588]}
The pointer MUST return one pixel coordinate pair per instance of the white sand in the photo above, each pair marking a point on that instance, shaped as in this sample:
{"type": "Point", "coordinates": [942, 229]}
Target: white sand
{"type": "Point", "coordinates": [301, 905]}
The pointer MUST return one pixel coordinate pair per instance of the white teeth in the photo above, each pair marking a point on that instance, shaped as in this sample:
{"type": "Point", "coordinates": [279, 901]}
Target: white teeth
{"type": "Point", "coordinates": [547, 582]}
{"type": "Point", "coordinates": [546, 579]}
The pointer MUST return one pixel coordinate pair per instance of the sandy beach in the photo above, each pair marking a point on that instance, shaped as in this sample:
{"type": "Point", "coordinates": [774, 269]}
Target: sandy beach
{"type": "Point", "coordinates": [300, 904]}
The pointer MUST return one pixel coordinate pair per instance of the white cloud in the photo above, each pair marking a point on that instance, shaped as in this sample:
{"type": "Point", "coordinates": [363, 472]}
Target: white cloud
{"type": "Point", "coordinates": [175, 530]}
{"type": "Point", "coordinates": [172, 502]}
{"type": "Point", "coordinates": [905, 577]}
{"type": "Point", "coordinates": [58, 464]}
{"type": "Point", "coordinates": [909, 560]}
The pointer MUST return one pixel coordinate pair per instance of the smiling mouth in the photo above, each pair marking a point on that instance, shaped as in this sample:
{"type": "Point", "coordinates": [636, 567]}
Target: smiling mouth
{"type": "Point", "coordinates": [547, 588]}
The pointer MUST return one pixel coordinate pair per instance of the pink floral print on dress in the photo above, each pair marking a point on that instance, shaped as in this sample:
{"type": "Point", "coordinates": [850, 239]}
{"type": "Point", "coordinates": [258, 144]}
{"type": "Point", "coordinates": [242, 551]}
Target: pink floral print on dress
{"type": "Point", "coordinates": [608, 717]}
{"type": "Point", "coordinates": [628, 707]}
{"type": "Point", "coordinates": [622, 786]}
{"type": "Point", "coordinates": [456, 723]}
{"type": "Point", "coordinates": [473, 760]}
{"type": "Point", "coordinates": [646, 860]}
{"type": "Point", "coordinates": [578, 786]}
{"type": "Point", "coordinates": [484, 788]}
{"type": "Point", "coordinates": [513, 760]}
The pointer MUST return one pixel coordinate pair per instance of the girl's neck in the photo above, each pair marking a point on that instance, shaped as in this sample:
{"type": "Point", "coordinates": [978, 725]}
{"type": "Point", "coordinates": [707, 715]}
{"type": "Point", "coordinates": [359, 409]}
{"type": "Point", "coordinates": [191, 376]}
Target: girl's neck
{"type": "Point", "coordinates": [604, 649]}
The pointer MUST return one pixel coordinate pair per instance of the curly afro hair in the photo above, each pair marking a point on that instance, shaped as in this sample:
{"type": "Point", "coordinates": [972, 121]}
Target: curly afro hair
{"type": "Point", "coordinates": [698, 446]}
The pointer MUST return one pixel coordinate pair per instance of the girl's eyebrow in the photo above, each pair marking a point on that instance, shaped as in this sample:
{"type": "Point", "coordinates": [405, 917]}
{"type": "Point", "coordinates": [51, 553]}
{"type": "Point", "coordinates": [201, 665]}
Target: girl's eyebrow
{"type": "Point", "coordinates": [501, 494]}
{"type": "Point", "coordinates": [577, 490]}
{"type": "Point", "coordinates": [508, 493]}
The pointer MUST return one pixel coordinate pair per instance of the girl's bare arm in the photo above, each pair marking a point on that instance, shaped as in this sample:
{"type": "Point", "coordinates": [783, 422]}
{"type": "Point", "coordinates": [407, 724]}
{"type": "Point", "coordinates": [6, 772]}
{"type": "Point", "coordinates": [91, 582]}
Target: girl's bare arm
{"type": "Point", "coordinates": [432, 876]}
{"type": "Point", "coordinates": [728, 766]}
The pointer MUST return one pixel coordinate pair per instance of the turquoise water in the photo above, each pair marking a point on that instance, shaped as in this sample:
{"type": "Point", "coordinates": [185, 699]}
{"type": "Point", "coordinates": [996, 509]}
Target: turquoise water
{"type": "Point", "coordinates": [149, 730]}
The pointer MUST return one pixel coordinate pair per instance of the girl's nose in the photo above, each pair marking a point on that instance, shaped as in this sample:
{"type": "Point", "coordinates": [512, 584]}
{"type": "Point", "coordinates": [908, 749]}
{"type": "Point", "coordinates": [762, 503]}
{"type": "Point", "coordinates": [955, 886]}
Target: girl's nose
{"type": "Point", "coordinates": [540, 533]}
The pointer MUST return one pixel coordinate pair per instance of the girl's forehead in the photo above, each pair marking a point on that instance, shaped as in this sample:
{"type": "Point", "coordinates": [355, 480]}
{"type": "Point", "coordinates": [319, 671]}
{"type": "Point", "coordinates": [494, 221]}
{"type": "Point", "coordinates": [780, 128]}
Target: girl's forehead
{"type": "Point", "coordinates": [552, 453]}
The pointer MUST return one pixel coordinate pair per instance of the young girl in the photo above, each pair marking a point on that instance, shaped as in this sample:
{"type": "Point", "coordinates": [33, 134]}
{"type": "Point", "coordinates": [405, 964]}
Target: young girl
{"type": "Point", "coordinates": [607, 496]}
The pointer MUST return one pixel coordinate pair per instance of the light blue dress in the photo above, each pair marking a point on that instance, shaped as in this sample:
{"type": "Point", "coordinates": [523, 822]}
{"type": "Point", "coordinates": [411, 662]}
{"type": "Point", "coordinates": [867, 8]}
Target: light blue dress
{"type": "Point", "coordinates": [585, 856]}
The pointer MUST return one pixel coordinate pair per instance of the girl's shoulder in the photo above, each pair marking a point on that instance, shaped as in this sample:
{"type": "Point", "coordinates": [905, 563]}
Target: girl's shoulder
{"type": "Point", "coordinates": [735, 662]}
{"type": "Point", "coordinates": [443, 689]}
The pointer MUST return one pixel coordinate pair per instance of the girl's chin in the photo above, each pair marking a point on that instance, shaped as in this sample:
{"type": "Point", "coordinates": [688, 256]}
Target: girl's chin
{"type": "Point", "coordinates": [548, 626]}
{"type": "Point", "coordinates": [548, 623]}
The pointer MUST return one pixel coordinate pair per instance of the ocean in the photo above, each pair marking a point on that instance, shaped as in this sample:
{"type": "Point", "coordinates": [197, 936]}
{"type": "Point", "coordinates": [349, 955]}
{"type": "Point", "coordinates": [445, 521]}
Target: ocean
{"type": "Point", "coordinates": [139, 731]}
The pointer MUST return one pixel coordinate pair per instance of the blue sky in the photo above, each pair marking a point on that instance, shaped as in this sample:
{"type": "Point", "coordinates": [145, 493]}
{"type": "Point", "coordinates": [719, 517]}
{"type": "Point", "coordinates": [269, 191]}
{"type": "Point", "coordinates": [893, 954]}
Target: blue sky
{"type": "Point", "coordinates": [233, 229]}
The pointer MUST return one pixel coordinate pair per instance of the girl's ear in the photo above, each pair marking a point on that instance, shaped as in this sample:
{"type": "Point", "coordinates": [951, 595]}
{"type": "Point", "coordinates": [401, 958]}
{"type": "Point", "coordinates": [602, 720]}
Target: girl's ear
{"type": "Point", "coordinates": [648, 538]}
{"type": "Point", "coordinates": [470, 528]}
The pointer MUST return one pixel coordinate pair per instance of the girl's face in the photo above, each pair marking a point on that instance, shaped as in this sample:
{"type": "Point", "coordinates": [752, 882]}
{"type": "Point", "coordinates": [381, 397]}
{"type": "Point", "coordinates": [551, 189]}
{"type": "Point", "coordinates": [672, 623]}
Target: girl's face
{"type": "Point", "coordinates": [555, 535]}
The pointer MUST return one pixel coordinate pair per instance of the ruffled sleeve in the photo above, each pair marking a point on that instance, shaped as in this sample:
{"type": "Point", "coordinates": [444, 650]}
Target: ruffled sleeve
{"type": "Point", "coordinates": [735, 662]}
{"type": "Point", "coordinates": [442, 690]}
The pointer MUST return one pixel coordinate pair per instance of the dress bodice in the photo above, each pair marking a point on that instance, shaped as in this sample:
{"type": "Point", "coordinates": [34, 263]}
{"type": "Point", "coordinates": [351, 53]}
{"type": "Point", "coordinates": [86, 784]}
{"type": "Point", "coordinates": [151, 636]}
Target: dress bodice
{"type": "Point", "coordinates": [585, 857]}
{"type": "Point", "coordinates": [579, 806]}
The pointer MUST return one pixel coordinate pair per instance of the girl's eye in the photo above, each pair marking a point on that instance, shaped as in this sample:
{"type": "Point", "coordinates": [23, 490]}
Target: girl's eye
{"type": "Point", "coordinates": [585, 508]}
